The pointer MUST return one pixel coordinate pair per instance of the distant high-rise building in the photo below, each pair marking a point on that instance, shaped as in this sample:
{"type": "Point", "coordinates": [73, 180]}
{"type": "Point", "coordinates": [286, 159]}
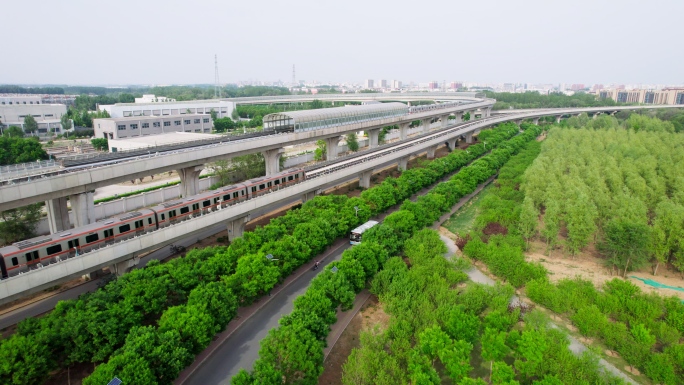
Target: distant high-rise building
{"type": "Point", "coordinates": [369, 83]}
{"type": "Point", "coordinates": [644, 96]}
{"type": "Point", "coordinates": [433, 85]}
{"type": "Point", "coordinates": [382, 83]}
{"type": "Point", "coordinates": [577, 87]}
{"type": "Point", "coordinates": [396, 84]}
{"type": "Point", "coordinates": [455, 85]}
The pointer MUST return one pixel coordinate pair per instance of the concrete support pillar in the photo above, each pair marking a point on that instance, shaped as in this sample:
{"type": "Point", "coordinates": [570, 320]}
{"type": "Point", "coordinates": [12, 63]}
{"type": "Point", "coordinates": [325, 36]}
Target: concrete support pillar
{"type": "Point", "coordinates": [123, 267]}
{"type": "Point", "coordinates": [445, 121]}
{"type": "Point", "coordinates": [57, 215]}
{"type": "Point", "coordinates": [535, 121]}
{"type": "Point", "coordinates": [469, 137]}
{"type": "Point", "coordinates": [189, 177]}
{"type": "Point", "coordinates": [310, 195]}
{"type": "Point", "coordinates": [487, 113]}
{"type": "Point", "coordinates": [558, 118]}
{"type": "Point", "coordinates": [236, 227]}
{"type": "Point", "coordinates": [451, 143]}
{"type": "Point", "coordinates": [83, 207]}
{"type": "Point", "coordinates": [364, 179]}
{"type": "Point", "coordinates": [272, 158]}
{"type": "Point", "coordinates": [459, 118]}
{"type": "Point", "coordinates": [472, 114]}
{"type": "Point", "coordinates": [373, 137]}
{"type": "Point", "coordinates": [332, 147]}
{"type": "Point", "coordinates": [403, 130]}
{"type": "Point", "coordinates": [402, 165]}
{"type": "Point", "coordinates": [431, 152]}
{"type": "Point", "coordinates": [596, 115]}
{"type": "Point", "coordinates": [518, 121]}
{"type": "Point", "coordinates": [426, 125]}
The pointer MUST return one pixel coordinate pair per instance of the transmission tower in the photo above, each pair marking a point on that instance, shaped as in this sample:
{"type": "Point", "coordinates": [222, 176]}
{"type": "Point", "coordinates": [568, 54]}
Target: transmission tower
{"type": "Point", "coordinates": [217, 86]}
{"type": "Point", "coordinates": [294, 82]}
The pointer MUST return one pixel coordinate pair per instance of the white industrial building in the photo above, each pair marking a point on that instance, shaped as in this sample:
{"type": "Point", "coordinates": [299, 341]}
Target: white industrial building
{"type": "Point", "coordinates": [136, 126]}
{"type": "Point", "coordinates": [123, 110]}
{"type": "Point", "coordinates": [46, 115]}
{"type": "Point", "coordinates": [149, 98]}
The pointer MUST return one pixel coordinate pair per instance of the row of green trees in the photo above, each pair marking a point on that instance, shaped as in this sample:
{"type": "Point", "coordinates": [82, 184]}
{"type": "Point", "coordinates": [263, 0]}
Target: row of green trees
{"type": "Point", "coordinates": [620, 187]}
{"type": "Point", "coordinates": [644, 329]}
{"type": "Point", "coordinates": [506, 100]}
{"type": "Point", "coordinates": [293, 351]}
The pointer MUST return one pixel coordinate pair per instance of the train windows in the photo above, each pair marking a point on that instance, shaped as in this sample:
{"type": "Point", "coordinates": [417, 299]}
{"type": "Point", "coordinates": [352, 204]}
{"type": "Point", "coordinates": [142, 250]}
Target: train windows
{"type": "Point", "coordinates": [253, 188]}
{"type": "Point", "coordinates": [206, 203]}
{"type": "Point", "coordinates": [172, 214]}
{"type": "Point", "coordinates": [32, 255]}
{"type": "Point", "coordinates": [289, 177]}
{"type": "Point", "coordinates": [296, 176]}
{"type": "Point", "coordinates": [73, 243]}
{"type": "Point", "coordinates": [236, 195]}
{"type": "Point", "coordinates": [92, 238]}
{"type": "Point", "coordinates": [149, 221]}
{"type": "Point", "coordinates": [15, 261]}
{"type": "Point", "coordinates": [216, 201]}
{"type": "Point", "coordinates": [109, 233]}
{"type": "Point", "coordinates": [162, 217]}
{"type": "Point", "coordinates": [262, 186]}
{"type": "Point", "coordinates": [124, 228]}
{"type": "Point", "coordinates": [195, 206]}
{"type": "Point", "coordinates": [185, 210]}
{"type": "Point", "coordinates": [276, 182]}
{"type": "Point", "coordinates": [226, 197]}
{"type": "Point", "coordinates": [54, 249]}
{"type": "Point", "coordinates": [138, 224]}
{"type": "Point", "coordinates": [269, 184]}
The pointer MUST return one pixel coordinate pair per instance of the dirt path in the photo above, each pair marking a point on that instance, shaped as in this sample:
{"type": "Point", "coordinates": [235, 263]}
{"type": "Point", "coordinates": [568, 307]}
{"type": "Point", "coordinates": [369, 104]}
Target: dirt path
{"type": "Point", "coordinates": [588, 265]}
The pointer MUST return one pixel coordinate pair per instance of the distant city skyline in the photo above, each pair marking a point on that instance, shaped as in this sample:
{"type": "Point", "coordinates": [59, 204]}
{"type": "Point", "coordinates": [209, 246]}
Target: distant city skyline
{"type": "Point", "coordinates": [159, 42]}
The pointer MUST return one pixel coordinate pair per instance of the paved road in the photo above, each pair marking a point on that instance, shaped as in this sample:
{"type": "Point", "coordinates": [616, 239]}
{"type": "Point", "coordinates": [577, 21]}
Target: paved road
{"type": "Point", "coordinates": [241, 349]}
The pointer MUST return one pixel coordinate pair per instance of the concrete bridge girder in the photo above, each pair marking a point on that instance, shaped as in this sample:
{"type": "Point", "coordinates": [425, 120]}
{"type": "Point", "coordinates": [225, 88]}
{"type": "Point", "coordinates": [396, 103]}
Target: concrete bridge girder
{"type": "Point", "coordinates": [83, 207]}
{"type": "Point", "coordinates": [364, 178]}
{"type": "Point", "coordinates": [272, 159]}
{"type": "Point", "coordinates": [58, 215]}
{"type": "Point", "coordinates": [332, 148]}
{"type": "Point", "coordinates": [189, 177]}
{"type": "Point", "coordinates": [236, 227]}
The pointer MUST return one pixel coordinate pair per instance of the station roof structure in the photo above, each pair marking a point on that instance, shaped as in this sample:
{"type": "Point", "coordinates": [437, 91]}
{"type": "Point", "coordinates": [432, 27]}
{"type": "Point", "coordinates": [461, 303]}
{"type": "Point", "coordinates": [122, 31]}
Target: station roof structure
{"type": "Point", "coordinates": [307, 120]}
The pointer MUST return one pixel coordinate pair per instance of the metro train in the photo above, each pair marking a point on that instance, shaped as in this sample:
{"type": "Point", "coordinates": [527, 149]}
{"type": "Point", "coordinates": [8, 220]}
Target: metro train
{"type": "Point", "coordinates": [28, 254]}
{"type": "Point", "coordinates": [431, 107]}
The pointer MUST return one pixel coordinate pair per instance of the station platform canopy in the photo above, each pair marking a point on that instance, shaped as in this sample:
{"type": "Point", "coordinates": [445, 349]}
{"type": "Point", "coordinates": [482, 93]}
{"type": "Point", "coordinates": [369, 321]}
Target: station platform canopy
{"type": "Point", "coordinates": [317, 119]}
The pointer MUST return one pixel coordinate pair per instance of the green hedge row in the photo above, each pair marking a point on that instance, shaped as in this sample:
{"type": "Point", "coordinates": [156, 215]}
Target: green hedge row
{"type": "Point", "coordinates": [292, 353]}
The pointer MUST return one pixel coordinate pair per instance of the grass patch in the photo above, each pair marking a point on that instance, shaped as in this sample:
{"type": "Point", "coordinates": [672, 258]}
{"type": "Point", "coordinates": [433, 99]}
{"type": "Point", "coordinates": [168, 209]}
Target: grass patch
{"type": "Point", "coordinates": [461, 222]}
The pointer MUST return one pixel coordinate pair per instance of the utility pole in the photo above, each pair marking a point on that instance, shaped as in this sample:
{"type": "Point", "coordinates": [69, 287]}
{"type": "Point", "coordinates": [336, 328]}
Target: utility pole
{"type": "Point", "coordinates": [217, 86]}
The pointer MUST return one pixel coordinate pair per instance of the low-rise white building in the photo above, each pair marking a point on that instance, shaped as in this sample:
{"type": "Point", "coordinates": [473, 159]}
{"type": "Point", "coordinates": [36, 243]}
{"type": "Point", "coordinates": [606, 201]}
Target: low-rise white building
{"type": "Point", "coordinates": [149, 98]}
{"type": "Point", "coordinates": [137, 126]}
{"type": "Point", "coordinates": [123, 110]}
{"type": "Point", "coordinates": [46, 115]}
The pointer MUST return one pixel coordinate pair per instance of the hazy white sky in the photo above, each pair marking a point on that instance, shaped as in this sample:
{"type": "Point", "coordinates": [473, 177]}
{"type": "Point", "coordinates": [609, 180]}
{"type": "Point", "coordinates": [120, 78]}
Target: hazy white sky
{"type": "Point", "coordinates": [174, 42]}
